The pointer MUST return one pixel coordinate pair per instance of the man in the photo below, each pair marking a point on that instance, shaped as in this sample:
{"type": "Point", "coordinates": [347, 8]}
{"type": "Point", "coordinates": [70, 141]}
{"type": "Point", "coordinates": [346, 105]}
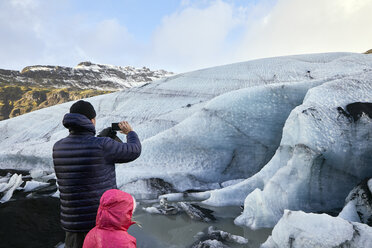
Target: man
{"type": "Point", "coordinates": [85, 169]}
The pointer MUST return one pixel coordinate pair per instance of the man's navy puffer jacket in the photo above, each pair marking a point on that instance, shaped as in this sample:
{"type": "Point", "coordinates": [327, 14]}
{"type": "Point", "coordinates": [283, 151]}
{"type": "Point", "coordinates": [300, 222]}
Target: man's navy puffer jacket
{"type": "Point", "coordinates": [85, 169]}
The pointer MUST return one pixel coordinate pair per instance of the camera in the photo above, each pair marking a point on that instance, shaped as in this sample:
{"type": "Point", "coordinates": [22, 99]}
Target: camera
{"type": "Point", "coordinates": [115, 127]}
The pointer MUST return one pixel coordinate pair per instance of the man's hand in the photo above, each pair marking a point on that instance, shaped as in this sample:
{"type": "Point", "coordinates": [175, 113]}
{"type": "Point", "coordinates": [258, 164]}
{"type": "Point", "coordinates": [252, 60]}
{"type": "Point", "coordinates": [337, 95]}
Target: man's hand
{"type": "Point", "coordinates": [125, 127]}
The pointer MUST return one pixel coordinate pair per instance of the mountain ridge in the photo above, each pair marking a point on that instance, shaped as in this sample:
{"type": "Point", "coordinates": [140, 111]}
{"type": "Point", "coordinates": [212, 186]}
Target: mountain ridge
{"type": "Point", "coordinates": [39, 86]}
{"type": "Point", "coordinates": [86, 75]}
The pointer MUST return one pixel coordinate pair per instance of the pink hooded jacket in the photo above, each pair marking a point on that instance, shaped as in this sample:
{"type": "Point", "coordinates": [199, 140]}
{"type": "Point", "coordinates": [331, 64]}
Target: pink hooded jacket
{"type": "Point", "coordinates": [114, 217]}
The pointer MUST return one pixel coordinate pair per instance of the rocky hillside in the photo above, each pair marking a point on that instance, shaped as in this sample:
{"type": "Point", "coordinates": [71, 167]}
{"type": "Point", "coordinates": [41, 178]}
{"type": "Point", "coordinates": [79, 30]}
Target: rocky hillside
{"type": "Point", "coordinates": [17, 99]}
{"type": "Point", "coordinates": [369, 51]}
{"type": "Point", "coordinates": [36, 87]}
{"type": "Point", "coordinates": [85, 75]}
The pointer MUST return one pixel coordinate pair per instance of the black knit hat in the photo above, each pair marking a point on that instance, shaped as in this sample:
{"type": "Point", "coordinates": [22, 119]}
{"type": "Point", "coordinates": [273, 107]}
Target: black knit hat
{"type": "Point", "coordinates": [84, 108]}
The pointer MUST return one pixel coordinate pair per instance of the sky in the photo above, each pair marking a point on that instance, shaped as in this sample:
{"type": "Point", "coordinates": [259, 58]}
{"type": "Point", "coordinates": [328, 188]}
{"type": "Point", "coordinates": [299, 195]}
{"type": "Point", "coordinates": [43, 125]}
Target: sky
{"type": "Point", "coordinates": [177, 35]}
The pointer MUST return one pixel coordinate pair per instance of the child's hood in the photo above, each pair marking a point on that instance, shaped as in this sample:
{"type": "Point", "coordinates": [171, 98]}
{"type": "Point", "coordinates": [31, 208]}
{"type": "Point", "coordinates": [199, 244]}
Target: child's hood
{"type": "Point", "coordinates": [115, 210]}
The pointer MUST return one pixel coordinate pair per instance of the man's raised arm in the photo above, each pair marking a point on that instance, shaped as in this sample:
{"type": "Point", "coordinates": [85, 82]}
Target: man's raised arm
{"type": "Point", "coordinates": [123, 152]}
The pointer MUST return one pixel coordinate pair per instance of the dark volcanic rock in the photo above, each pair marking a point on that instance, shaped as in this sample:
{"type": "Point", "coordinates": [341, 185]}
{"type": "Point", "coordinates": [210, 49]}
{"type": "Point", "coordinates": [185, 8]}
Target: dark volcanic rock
{"type": "Point", "coordinates": [356, 109]}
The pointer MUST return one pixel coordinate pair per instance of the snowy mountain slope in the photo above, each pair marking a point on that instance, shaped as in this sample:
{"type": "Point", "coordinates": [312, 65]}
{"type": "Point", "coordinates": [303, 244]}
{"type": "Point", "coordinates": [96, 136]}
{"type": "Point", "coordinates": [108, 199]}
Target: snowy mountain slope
{"type": "Point", "coordinates": [203, 128]}
{"type": "Point", "coordinates": [85, 75]}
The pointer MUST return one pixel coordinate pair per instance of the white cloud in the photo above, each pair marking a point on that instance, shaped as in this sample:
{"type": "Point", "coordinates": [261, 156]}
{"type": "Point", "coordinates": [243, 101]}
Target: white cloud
{"type": "Point", "coordinates": [194, 37]}
{"type": "Point", "coordinates": [302, 26]}
{"type": "Point", "coordinates": [19, 22]}
{"type": "Point", "coordinates": [106, 42]}
{"type": "Point", "coordinates": [199, 34]}
{"type": "Point", "coordinates": [43, 32]}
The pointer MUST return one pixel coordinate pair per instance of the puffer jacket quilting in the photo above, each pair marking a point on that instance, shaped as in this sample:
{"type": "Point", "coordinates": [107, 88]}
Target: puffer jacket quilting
{"type": "Point", "coordinates": [85, 169]}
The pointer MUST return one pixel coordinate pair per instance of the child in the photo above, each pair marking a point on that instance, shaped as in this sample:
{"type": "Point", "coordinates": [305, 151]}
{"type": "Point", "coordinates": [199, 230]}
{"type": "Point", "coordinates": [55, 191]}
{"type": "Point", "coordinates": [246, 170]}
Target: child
{"type": "Point", "coordinates": [114, 217]}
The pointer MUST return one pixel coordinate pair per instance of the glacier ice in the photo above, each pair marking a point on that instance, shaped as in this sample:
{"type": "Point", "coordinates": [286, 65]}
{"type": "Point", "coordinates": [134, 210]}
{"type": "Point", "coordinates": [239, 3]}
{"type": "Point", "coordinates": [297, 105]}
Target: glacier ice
{"type": "Point", "coordinates": [248, 129]}
{"type": "Point", "coordinates": [349, 212]}
{"type": "Point", "coordinates": [358, 206]}
{"type": "Point", "coordinates": [212, 231]}
{"type": "Point", "coordinates": [14, 182]}
{"type": "Point", "coordinates": [297, 229]}
{"type": "Point", "coordinates": [159, 106]}
{"type": "Point", "coordinates": [217, 238]}
{"type": "Point", "coordinates": [152, 210]}
{"type": "Point", "coordinates": [34, 185]}
{"type": "Point", "coordinates": [272, 122]}
{"type": "Point", "coordinates": [212, 243]}
{"type": "Point", "coordinates": [326, 155]}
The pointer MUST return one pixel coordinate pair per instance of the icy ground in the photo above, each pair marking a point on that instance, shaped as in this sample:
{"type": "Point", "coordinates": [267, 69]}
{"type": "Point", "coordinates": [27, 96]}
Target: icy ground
{"type": "Point", "coordinates": [264, 133]}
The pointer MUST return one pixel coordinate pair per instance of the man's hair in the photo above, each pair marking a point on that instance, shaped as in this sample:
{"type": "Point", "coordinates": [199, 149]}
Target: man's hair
{"type": "Point", "coordinates": [84, 108]}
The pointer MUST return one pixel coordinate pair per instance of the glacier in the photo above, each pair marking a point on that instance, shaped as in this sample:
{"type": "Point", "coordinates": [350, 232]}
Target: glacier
{"type": "Point", "coordinates": [9, 185]}
{"type": "Point", "coordinates": [322, 155]}
{"type": "Point", "coordinates": [297, 229]}
{"type": "Point", "coordinates": [351, 228]}
{"type": "Point", "coordinates": [263, 133]}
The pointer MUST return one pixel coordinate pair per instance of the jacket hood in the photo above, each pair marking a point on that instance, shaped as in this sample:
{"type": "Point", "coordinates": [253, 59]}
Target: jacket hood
{"type": "Point", "coordinates": [115, 210]}
{"type": "Point", "coordinates": [79, 123]}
